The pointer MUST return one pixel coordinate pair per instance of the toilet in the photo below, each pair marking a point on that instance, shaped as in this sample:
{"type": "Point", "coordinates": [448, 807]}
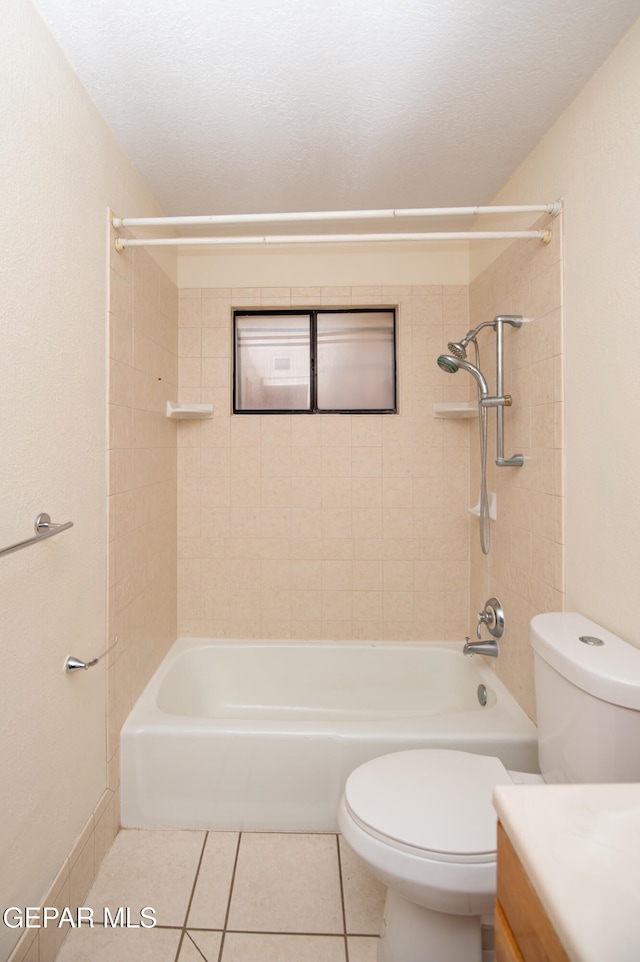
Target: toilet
{"type": "Point", "coordinates": [423, 820]}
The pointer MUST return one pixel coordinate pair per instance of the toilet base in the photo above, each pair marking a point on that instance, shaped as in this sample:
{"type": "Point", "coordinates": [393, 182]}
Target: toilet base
{"type": "Point", "coordinates": [411, 933]}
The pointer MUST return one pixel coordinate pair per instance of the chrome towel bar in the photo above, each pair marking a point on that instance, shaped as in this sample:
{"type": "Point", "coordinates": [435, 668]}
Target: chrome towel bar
{"type": "Point", "coordinates": [44, 527]}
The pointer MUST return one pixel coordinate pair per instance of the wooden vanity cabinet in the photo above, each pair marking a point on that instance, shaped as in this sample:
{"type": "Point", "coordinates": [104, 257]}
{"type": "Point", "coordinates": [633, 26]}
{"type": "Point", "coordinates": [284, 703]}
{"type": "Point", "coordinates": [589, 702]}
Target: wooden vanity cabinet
{"type": "Point", "coordinates": [523, 932]}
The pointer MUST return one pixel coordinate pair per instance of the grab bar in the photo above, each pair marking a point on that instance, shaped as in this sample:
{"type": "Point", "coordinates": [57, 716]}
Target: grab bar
{"type": "Point", "coordinates": [44, 527]}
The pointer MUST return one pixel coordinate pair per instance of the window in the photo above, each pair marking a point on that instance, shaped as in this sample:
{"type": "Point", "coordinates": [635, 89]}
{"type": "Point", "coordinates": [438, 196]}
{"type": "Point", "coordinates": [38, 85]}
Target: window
{"type": "Point", "coordinates": [303, 362]}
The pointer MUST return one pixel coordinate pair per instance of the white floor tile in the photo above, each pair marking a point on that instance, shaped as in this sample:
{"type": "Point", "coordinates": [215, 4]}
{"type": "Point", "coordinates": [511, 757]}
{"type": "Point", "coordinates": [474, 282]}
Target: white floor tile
{"type": "Point", "coordinates": [198, 946]}
{"type": "Point", "coordinates": [286, 903]}
{"type": "Point", "coordinates": [241, 947]}
{"type": "Point", "coordinates": [287, 883]}
{"type": "Point", "coordinates": [362, 949]}
{"type": "Point", "coordinates": [120, 945]}
{"type": "Point", "coordinates": [211, 897]}
{"type": "Point", "coordinates": [148, 868]}
{"type": "Point", "coordinates": [364, 895]}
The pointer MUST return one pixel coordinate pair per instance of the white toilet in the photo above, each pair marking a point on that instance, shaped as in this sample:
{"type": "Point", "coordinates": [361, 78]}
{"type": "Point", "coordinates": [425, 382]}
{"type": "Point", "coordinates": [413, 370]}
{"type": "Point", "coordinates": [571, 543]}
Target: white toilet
{"type": "Point", "coordinates": [423, 820]}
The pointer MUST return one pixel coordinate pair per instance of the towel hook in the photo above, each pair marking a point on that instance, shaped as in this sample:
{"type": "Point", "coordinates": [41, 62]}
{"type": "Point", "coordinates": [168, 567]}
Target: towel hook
{"type": "Point", "coordinates": [76, 664]}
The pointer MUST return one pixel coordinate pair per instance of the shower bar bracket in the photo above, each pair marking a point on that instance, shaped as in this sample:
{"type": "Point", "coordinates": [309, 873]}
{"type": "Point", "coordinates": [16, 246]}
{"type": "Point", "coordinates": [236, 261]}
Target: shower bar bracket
{"type": "Point", "coordinates": [500, 403]}
{"type": "Point", "coordinates": [44, 527]}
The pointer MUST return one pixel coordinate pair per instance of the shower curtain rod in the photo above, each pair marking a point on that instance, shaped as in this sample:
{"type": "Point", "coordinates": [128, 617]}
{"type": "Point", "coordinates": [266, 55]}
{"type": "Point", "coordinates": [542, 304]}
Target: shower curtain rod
{"type": "Point", "coordinates": [389, 214]}
{"type": "Point", "coordinates": [124, 242]}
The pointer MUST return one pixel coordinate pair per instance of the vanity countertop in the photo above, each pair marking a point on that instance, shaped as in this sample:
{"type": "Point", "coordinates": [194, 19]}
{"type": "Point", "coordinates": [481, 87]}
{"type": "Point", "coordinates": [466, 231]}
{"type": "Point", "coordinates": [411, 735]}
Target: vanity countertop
{"type": "Point", "coordinates": [580, 847]}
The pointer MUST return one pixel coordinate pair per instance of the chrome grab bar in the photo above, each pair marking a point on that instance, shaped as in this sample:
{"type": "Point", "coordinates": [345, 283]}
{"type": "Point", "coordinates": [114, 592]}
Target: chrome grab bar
{"type": "Point", "coordinates": [44, 527]}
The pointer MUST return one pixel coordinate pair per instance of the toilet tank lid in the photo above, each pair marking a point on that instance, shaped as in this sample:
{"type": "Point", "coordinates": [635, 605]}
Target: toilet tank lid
{"type": "Point", "coordinates": [610, 671]}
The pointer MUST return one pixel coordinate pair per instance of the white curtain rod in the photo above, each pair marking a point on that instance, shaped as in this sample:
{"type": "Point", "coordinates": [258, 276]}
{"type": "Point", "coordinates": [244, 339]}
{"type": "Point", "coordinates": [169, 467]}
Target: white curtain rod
{"type": "Point", "coordinates": [211, 219]}
{"type": "Point", "coordinates": [124, 242]}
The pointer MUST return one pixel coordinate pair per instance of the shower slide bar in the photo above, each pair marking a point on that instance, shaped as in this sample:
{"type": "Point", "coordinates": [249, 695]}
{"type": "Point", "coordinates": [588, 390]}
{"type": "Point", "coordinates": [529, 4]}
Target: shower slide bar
{"type": "Point", "coordinates": [44, 528]}
{"type": "Point", "coordinates": [218, 219]}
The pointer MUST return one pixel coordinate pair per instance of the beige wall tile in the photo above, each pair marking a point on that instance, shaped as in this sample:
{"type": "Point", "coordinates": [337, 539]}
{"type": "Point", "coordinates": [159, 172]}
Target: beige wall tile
{"type": "Point", "coordinates": [301, 489]}
{"type": "Point", "coordinates": [145, 344]}
{"type": "Point", "coordinates": [525, 568]}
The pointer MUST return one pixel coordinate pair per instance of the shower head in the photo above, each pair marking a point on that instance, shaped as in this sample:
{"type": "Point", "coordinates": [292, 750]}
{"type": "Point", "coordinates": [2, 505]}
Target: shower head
{"type": "Point", "coordinates": [453, 364]}
{"type": "Point", "coordinates": [448, 364]}
{"type": "Point", "coordinates": [458, 348]}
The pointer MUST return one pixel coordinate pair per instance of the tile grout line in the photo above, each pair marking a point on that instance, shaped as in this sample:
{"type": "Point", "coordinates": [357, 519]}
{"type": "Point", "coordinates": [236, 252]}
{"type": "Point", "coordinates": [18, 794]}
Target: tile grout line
{"type": "Point", "coordinates": [193, 889]}
{"type": "Point", "coordinates": [344, 911]}
{"type": "Point", "coordinates": [289, 935]}
{"type": "Point", "coordinates": [228, 912]}
{"type": "Point", "coordinates": [196, 947]}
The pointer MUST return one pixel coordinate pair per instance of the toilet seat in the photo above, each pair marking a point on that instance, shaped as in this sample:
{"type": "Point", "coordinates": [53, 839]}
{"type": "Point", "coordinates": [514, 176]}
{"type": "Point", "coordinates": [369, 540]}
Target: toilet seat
{"type": "Point", "coordinates": [432, 803]}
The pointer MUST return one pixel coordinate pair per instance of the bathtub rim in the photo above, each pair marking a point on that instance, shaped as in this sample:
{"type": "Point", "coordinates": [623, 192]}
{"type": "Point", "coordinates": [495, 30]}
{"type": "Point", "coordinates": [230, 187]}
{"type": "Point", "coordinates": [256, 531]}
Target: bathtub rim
{"type": "Point", "coordinates": [146, 711]}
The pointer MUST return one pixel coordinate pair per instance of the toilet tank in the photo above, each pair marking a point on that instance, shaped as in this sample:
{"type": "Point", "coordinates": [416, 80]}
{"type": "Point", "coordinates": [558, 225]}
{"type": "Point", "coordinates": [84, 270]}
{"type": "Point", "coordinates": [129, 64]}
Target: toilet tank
{"type": "Point", "coordinates": [588, 701]}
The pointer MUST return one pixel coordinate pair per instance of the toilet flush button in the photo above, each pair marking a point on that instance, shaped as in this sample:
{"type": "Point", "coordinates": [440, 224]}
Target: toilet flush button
{"type": "Point", "coordinates": [591, 640]}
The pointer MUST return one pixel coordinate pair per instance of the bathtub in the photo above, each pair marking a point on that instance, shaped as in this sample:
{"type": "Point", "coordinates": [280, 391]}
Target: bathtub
{"type": "Point", "coordinates": [262, 735]}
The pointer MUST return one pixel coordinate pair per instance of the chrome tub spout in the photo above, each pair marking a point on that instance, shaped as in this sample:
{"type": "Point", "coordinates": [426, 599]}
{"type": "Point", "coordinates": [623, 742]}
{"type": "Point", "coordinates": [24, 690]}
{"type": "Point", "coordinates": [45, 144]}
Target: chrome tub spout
{"type": "Point", "coordinates": [489, 648]}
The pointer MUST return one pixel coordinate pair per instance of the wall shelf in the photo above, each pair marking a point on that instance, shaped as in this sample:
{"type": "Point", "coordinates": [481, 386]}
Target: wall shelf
{"type": "Point", "coordinates": [455, 409]}
{"type": "Point", "coordinates": [493, 507]}
{"type": "Point", "coordinates": [184, 411]}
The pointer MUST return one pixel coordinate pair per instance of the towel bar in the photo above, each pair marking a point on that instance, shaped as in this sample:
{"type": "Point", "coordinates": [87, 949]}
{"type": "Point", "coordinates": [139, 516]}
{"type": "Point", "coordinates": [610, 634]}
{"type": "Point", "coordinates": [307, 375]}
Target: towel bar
{"type": "Point", "coordinates": [44, 527]}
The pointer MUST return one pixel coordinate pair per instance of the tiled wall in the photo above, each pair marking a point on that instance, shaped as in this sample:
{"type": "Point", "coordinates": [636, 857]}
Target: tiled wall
{"type": "Point", "coordinates": [525, 566]}
{"type": "Point", "coordinates": [323, 526]}
{"type": "Point", "coordinates": [143, 375]}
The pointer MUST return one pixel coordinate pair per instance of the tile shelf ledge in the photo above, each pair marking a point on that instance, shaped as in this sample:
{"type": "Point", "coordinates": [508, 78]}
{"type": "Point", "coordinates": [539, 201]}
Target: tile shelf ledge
{"type": "Point", "coordinates": [184, 411]}
{"type": "Point", "coordinates": [455, 409]}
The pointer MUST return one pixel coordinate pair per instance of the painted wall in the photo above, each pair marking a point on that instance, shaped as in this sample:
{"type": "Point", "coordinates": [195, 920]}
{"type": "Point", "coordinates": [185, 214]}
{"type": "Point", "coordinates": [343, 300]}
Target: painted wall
{"type": "Point", "coordinates": [319, 265]}
{"type": "Point", "coordinates": [589, 158]}
{"type": "Point", "coordinates": [61, 169]}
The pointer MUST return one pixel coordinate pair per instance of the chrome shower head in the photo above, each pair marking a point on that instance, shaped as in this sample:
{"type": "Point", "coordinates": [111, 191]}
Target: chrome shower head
{"type": "Point", "coordinates": [448, 364]}
{"type": "Point", "coordinates": [458, 349]}
{"type": "Point", "coordinates": [453, 364]}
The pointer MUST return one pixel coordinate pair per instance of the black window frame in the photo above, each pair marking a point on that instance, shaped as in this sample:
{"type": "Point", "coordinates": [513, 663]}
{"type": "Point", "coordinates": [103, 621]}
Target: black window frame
{"type": "Point", "coordinates": [313, 313]}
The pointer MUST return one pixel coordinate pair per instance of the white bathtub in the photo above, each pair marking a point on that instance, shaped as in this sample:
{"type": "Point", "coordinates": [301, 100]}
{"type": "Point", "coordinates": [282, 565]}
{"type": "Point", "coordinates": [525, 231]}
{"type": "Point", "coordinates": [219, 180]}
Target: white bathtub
{"type": "Point", "coordinates": [262, 735]}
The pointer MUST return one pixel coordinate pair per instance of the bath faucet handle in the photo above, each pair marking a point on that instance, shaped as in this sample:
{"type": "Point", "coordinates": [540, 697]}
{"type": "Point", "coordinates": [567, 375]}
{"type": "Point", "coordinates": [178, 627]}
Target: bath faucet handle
{"type": "Point", "coordinates": [493, 617]}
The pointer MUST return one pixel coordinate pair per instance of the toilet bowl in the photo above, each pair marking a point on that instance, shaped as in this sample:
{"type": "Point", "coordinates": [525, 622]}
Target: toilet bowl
{"type": "Point", "coordinates": [423, 822]}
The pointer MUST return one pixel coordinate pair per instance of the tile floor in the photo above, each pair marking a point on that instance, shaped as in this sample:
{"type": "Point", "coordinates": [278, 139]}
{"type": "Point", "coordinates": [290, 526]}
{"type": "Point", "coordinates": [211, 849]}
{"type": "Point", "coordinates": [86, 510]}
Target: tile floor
{"type": "Point", "coordinates": [232, 897]}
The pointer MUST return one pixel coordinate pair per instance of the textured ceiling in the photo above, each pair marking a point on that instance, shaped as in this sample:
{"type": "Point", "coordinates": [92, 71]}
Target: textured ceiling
{"type": "Point", "coordinates": [279, 105]}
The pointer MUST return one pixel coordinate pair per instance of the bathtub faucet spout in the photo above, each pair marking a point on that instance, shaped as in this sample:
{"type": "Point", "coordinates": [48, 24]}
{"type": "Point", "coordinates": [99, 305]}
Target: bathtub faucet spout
{"type": "Point", "coordinates": [489, 648]}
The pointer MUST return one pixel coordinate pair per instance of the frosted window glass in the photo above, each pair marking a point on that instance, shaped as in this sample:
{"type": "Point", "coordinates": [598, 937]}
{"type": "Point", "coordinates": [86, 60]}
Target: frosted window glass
{"type": "Point", "coordinates": [273, 363]}
{"type": "Point", "coordinates": [355, 361]}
